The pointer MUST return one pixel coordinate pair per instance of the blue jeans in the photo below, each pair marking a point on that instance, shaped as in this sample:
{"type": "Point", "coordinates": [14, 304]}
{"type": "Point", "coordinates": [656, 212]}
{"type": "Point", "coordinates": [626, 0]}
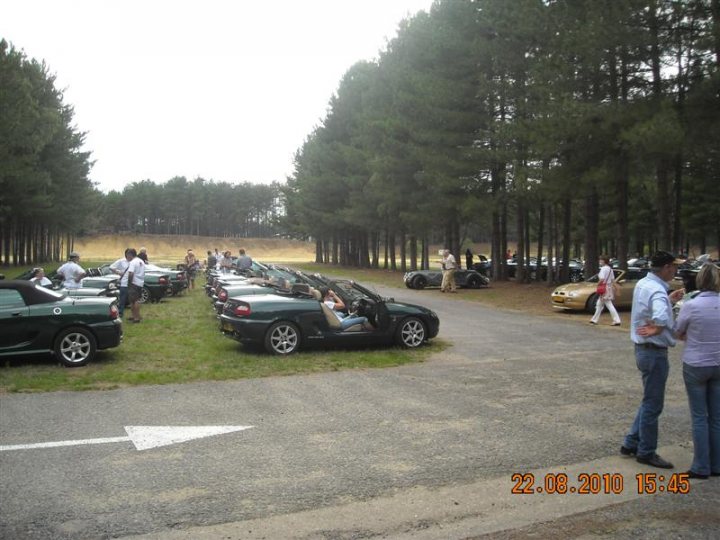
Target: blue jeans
{"type": "Point", "coordinates": [122, 300]}
{"type": "Point", "coordinates": [347, 322]}
{"type": "Point", "coordinates": [654, 367]}
{"type": "Point", "coordinates": [703, 390]}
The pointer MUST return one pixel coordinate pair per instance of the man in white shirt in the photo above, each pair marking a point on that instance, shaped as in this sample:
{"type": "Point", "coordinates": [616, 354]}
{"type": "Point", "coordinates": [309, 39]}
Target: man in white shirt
{"type": "Point", "coordinates": [448, 267]}
{"type": "Point", "coordinates": [71, 272]}
{"type": "Point", "coordinates": [120, 267]}
{"type": "Point", "coordinates": [136, 280]}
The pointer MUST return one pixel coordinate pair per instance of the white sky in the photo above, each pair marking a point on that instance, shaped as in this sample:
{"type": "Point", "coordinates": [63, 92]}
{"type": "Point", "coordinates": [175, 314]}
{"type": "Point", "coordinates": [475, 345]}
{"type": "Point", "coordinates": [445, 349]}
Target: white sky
{"type": "Point", "coordinates": [223, 89]}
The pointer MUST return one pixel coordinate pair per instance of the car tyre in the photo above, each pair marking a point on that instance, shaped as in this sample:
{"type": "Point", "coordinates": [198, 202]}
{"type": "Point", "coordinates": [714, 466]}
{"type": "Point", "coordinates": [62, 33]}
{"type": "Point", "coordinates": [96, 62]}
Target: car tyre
{"type": "Point", "coordinates": [145, 296]}
{"type": "Point", "coordinates": [591, 303]}
{"type": "Point", "coordinates": [411, 333]}
{"type": "Point", "coordinates": [419, 282]}
{"type": "Point", "coordinates": [474, 282]}
{"type": "Point", "coordinates": [282, 338]}
{"type": "Point", "coordinates": [75, 346]}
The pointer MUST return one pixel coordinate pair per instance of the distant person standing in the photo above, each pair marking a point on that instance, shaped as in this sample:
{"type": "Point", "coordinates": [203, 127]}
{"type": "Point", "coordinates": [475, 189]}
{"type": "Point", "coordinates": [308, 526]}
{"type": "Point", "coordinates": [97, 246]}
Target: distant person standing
{"type": "Point", "coordinates": [120, 267]}
{"type": "Point", "coordinates": [136, 280]}
{"type": "Point", "coordinates": [469, 259]}
{"type": "Point", "coordinates": [448, 267]}
{"type": "Point", "coordinates": [143, 255]}
{"type": "Point", "coordinates": [71, 272]}
{"type": "Point", "coordinates": [606, 278]}
{"type": "Point", "coordinates": [226, 262]}
{"type": "Point", "coordinates": [191, 267]}
{"type": "Point", "coordinates": [211, 260]}
{"type": "Point", "coordinates": [244, 262]}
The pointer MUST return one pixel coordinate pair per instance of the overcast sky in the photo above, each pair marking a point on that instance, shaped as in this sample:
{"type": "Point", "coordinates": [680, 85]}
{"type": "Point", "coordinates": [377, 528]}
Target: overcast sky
{"type": "Point", "coordinates": [226, 90]}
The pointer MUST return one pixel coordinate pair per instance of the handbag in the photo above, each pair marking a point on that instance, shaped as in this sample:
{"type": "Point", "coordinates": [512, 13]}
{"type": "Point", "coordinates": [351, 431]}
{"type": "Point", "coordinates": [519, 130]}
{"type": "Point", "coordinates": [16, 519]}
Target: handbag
{"type": "Point", "coordinates": [601, 288]}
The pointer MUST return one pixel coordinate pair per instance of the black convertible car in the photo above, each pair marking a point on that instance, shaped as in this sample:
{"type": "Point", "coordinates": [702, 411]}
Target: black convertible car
{"type": "Point", "coordinates": [284, 323]}
{"type": "Point", "coordinates": [419, 279]}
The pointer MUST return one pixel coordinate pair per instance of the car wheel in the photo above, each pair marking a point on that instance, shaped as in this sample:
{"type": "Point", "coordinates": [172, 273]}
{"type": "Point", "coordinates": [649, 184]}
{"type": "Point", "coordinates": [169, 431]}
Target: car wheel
{"type": "Point", "coordinates": [144, 296]}
{"type": "Point", "coordinates": [410, 333]}
{"type": "Point", "coordinates": [591, 303]}
{"type": "Point", "coordinates": [282, 338]}
{"type": "Point", "coordinates": [75, 346]}
{"type": "Point", "coordinates": [419, 282]}
{"type": "Point", "coordinates": [474, 282]}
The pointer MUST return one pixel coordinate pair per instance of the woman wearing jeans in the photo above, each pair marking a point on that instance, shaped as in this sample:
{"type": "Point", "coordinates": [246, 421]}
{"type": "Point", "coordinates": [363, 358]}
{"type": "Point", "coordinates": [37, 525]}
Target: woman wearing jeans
{"type": "Point", "coordinates": [699, 325]}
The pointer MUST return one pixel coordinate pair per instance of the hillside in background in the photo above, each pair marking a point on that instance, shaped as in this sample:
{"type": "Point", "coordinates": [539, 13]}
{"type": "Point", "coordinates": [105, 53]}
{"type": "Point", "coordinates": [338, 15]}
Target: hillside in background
{"type": "Point", "coordinates": [172, 248]}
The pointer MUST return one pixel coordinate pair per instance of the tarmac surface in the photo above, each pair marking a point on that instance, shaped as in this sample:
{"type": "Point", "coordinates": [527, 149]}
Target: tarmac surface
{"type": "Point", "coordinates": [431, 450]}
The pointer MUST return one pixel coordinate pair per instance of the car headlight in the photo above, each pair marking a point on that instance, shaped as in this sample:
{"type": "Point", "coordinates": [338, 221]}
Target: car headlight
{"type": "Point", "coordinates": [573, 294]}
{"type": "Point", "coordinates": [112, 285]}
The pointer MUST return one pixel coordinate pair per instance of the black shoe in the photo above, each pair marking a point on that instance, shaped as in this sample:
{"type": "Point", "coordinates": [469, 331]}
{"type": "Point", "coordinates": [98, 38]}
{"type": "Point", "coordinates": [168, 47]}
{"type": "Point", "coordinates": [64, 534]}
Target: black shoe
{"type": "Point", "coordinates": [655, 461]}
{"type": "Point", "coordinates": [625, 451]}
{"type": "Point", "coordinates": [698, 476]}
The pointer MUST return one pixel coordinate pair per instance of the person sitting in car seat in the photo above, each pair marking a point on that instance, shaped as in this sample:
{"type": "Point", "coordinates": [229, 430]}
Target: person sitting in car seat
{"type": "Point", "coordinates": [334, 302]}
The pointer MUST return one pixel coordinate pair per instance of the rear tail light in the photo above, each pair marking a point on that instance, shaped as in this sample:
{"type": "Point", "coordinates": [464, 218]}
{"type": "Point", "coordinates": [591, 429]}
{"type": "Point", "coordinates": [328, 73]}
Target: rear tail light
{"type": "Point", "coordinates": [242, 310]}
{"type": "Point", "coordinates": [163, 281]}
{"type": "Point", "coordinates": [222, 295]}
{"type": "Point", "coordinates": [114, 313]}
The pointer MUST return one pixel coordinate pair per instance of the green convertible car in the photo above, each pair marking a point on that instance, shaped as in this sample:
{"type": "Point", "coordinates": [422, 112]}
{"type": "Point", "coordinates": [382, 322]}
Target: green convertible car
{"type": "Point", "coordinates": [285, 323]}
{"type": "Point", "coordinates": [37, 320]}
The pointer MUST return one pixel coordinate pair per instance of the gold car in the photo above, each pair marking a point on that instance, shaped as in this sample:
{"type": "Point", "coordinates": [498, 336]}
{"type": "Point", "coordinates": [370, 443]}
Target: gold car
{"type": "Point", "coordinates": [582, 296]}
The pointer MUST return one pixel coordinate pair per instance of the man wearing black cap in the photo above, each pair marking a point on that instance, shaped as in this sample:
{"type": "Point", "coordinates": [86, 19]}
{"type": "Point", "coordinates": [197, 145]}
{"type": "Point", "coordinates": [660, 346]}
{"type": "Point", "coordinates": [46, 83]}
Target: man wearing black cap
{"type": "Point", "coordinates": [652, 305]}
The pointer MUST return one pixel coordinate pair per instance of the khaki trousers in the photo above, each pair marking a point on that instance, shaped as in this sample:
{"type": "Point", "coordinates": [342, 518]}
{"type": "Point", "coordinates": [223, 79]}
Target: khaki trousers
{"type": "Point", "coordinates": [448, 281]}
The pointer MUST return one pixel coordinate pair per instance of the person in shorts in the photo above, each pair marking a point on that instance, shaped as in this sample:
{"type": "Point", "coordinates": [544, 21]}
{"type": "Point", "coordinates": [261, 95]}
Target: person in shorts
{"type": "Point", "coordinates": [136, 280]}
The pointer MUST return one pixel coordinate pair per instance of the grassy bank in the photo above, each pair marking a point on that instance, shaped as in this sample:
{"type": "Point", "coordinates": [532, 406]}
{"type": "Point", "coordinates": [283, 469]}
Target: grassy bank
{"type": "Point", "coordinates": [177, 342]}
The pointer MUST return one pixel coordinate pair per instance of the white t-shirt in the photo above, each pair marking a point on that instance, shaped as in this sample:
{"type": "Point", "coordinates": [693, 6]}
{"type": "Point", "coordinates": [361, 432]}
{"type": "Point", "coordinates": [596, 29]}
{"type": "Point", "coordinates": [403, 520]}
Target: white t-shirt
{"type": "Point", "coordinates": [449, 261]}
{"type": "Point", "coordinates": [42, 282]}
{"type": "Point", "coordinates": [137, 268]}
{"type": "Point", "coordinates": [331, 305]}
{"type": "Point", "coordinates": [71, 272]}
{"type": "Point", "coordinates": [121, 265]}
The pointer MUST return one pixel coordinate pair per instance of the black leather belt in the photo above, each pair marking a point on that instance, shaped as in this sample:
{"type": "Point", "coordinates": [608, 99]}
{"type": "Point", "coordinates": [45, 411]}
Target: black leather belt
{"type": "Point", "coordinates": [650, 346]}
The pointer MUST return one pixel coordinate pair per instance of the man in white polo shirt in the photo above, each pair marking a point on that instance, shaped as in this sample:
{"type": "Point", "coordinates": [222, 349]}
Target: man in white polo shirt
{"type": "Point", "coordinates": [71, 272]}
{"type": "Point", "coordinates": [120, 268]}
{"type": "Point", "coordinates": [136, 280]}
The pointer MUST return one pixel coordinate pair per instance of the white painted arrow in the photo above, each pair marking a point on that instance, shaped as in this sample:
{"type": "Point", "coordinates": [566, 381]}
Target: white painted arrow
{"type": "Point", "coordinates": [143, 437]}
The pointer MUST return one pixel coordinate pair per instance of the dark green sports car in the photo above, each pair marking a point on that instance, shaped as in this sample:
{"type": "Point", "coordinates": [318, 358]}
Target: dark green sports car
{"type": "Point", "coordinates": [284, 323]}
{"type": "Point", "coordinates": [37, 320]}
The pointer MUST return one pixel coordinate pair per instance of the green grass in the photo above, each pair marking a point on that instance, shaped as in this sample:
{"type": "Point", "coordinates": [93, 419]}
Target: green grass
{"type": "Point", "coordinates": [178, 342]}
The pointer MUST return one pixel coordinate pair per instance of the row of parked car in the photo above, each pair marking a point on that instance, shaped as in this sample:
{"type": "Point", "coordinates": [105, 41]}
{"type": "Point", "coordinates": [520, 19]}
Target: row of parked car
{"type": "Point", "coordinates": [73, 324]}
{"type": "Point", "coordinates": [281, 310]}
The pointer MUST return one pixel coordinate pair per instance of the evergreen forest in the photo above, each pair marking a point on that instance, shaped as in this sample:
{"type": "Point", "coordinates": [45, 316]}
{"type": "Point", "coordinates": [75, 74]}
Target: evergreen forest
{"type": "Point", "coordinates": [562, 128]}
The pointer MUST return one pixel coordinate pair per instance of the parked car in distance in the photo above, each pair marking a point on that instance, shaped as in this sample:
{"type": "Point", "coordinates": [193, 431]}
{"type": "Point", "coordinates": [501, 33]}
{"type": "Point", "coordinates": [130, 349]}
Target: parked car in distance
{"type": "Point", "coordinates": [38, 320]}
{"type": "Point", "coordinates": [583, 296]}
{"type": "Point", "coordinates": [420, 279]}
{"type": "Point", "coordinates": [285, 323]}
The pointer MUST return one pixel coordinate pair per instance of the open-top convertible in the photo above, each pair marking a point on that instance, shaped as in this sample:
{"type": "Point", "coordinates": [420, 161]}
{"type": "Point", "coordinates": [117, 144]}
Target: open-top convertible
{"type": "Point", "coordinates": [419, 279]}
{"type": "Point", "coordinates": [284, 323]}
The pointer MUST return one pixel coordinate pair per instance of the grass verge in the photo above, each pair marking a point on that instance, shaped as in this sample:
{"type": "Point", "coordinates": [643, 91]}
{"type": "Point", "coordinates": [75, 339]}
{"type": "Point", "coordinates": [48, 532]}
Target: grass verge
{"type": "Point", "coordinates": [178, 342]}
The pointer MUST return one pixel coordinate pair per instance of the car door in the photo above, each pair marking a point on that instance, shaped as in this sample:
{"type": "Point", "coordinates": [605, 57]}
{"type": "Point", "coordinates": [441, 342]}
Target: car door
{"type": "Point", "coordinates": [13, 319]}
